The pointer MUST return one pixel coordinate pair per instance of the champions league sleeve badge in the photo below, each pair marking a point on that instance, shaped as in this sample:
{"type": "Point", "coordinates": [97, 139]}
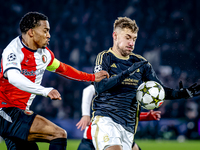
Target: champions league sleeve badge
{"type": "Point", "coordinates": [97, 68]}
{"type": "Point", "coordinates": [11, 57]}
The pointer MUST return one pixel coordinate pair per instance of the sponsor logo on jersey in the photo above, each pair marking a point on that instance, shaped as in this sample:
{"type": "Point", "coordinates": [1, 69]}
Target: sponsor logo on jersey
{"type": "Point", "coordinates": [44, 58]}
{"type": "Point", "coordinates": [114, 65]}
{"type": "Point", "coordinates": [129, 81]}
{"type": "Point", "coordinates": [11, 57]}
{"type": "Point", "coordinates": [32, 73]}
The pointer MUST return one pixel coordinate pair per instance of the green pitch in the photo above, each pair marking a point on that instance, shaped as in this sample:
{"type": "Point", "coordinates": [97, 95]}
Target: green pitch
{"type": "Point", "coordinates": [144, 144]}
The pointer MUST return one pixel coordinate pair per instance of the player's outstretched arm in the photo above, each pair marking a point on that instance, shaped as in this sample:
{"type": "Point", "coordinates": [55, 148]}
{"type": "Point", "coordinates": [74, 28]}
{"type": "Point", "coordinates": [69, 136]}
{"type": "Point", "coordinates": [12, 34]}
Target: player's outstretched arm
{"type": "Point", "coordinates": [191, 91]}
{"type": "Point", "coordinates": [20, 81]}
{"type": "Point", "coordinates": [113, 81]}
{"type": "Point", "coordinates": [69, 72]}
{"type": "Point", "coordinates": [88, 94]}
{"type": "Point", "coordinates": [151, 115]}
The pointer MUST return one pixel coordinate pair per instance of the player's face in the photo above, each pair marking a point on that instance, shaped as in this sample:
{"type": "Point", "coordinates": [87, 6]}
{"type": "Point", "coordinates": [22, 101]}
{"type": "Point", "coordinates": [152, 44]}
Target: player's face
{"type": "Point", "coordinates": [125, 41]}
{"type": "Point", "coordinates": [41, 34]}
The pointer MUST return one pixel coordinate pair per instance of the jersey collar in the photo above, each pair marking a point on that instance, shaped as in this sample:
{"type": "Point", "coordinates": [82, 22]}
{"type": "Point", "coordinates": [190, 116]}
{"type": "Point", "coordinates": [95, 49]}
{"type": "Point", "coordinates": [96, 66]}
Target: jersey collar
{"type": "Point", "coordinates": [20, 37]}
{"type": "Point", "coordinates": [120, 57]}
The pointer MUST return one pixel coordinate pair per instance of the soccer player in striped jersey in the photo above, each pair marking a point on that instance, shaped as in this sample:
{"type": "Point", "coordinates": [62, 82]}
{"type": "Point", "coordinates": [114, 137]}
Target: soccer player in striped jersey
{"type": "Point", "coordinates": [115, 109]}
{"type": "Point", "coordinates": [85, 123]}
{"type": "Point", "coordinates": [23, 64]}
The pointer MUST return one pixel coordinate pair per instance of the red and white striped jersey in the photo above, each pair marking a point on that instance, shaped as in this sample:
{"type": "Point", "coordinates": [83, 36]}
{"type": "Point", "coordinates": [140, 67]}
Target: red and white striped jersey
{"type": "Point", "coordinates": [87, 132]}
{"type": "Point", "coordinates": [31, 63]}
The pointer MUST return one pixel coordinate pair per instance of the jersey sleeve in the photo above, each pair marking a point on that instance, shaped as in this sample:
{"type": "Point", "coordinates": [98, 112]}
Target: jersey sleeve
{"type": "Point", "coordinates": [103, 63]}
{"type": "Point", "coordinates": [150, 75]}
{"type": "Point", "coordinates": [170, 94]}
{"type": "Point", "coordinates": [67, 71]}
{"type": "Point", "coordinates": [87, 96]}
{"type": "Point", "coordinates": [54, 63]}
{"type": "Point", "coordinates": [11, 60]}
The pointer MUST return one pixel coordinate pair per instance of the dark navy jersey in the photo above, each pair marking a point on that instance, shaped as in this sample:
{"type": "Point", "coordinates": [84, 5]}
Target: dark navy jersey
{"type": "Point", "coordinates": [118, 100]}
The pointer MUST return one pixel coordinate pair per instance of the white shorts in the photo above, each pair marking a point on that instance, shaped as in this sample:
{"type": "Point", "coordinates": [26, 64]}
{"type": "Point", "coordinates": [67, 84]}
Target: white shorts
{"type": "Point", "coordinates": [105, 133]}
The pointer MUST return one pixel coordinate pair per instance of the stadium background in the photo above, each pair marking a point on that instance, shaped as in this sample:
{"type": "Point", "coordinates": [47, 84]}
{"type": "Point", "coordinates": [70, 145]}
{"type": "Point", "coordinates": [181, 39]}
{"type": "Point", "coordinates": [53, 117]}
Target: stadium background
{"type": "Point", "coordinates": [168, 37]}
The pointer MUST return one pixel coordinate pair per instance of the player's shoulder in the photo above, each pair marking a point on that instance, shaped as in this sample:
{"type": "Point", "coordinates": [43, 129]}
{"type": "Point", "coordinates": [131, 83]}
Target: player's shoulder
{"type": "Point", "coordinates": [48, 51]}
{"type": "Point", "coordinates": [137, 56]}
{"type": "Point", "coordinates": [14, 45]}
{"type": "Point", "coordinates": [103, 53]}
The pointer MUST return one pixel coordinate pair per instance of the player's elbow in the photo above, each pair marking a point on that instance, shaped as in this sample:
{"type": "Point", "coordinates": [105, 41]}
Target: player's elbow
{"type": "Point", "coordinates": [99, 90]}
{"type": "Point", "coordinates": [12, 75]}
{"type": "Point", "coordinates": [12, 81]}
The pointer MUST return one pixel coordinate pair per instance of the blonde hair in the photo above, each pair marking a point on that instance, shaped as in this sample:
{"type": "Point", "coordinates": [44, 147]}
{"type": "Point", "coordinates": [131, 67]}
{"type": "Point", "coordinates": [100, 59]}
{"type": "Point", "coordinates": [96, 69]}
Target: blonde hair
{"type": "Point", "coordinates": [124, 22]}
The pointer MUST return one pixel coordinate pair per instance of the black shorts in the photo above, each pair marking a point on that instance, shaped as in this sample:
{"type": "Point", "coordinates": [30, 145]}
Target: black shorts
{"type": "Point", "coordinates": [86, 144]}
{"type": "Point", "coordinates": [15, 123]}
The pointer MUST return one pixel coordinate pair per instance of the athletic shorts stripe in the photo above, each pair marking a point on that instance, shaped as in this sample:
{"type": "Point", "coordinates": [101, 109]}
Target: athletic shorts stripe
{"type": "Point", "coordinates": [5, 116]}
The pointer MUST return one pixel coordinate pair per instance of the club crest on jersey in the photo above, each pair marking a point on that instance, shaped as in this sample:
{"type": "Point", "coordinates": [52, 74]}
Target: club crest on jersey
{"type": "Point", "coordinates": [44, 58]}
{"type": "Point", "coordinates": [11, 57]}
{"type": "Point", "coordinates": [28, 112]}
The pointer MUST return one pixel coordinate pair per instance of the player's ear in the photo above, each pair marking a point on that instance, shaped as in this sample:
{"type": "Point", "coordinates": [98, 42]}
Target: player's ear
{"type": "Point", "coordinates": [30, 32]}
{"type": "Point", "coordinates": [114, 35]}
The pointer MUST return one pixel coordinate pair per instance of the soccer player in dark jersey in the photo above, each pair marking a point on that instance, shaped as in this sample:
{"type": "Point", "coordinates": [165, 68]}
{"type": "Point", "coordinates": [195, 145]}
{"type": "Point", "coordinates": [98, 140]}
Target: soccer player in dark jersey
{"type": "Point", "coordinates": [24, 61]}
{"type": "Point", "coordinates": [85, 123]}
{"type": "Point", "coordinates": [115, 109]}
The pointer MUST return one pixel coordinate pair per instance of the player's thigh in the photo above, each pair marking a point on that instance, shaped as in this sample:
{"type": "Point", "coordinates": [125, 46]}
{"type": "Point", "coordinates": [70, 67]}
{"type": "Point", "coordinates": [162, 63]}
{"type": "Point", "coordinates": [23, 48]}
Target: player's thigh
{"type": "Point", "coordinates": [44, 130]}
{"type": "Point", "coordinates": [105, 133]}
{"type": "Point", "coordinates": [114, 147]}
{"type": "Point", "coordinates": [135, 147]}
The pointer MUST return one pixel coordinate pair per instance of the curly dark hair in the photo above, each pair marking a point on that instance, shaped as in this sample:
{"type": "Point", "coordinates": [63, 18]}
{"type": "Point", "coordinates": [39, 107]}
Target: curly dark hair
{"type": "Point", "coordinates": [124, 22]}
{"type": "Point", "coordinates": [31, 20]}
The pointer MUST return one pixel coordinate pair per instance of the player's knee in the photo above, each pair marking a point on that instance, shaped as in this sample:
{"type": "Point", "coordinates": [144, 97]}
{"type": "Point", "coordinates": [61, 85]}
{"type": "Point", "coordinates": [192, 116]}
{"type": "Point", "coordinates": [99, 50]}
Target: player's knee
{"type": "Point", "coordinates": [61, 133]}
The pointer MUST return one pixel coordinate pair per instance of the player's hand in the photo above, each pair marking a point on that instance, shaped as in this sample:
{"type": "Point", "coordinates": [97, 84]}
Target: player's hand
{"type": "Point", "coordinates": [154, 115]}
{"type": "Point", "coordinates": [151, 115]}
{"type": "Point", "coordinates": [54, 95]}
{"type": "Point", "coordinates": [135, 66]}
{"type": "Point", "coordinates": [85, 121]}
{"type": "Point", "coordinates": [193, 90]}
{"type": "Point", "coordinates": [101, 75]}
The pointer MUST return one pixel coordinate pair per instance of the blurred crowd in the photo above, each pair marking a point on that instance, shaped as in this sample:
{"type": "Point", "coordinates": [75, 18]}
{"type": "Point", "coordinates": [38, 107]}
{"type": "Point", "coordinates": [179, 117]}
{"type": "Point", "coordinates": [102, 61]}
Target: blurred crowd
{"type": "Point", "coordinates": [168, 38]}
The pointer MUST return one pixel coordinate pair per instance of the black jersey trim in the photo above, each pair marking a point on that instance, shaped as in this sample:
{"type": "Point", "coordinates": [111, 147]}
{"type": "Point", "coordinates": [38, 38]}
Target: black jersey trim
{"type": "Point", "coordinates": [9, 69]}
{"type": "Point", "coordinates": [20, 37]}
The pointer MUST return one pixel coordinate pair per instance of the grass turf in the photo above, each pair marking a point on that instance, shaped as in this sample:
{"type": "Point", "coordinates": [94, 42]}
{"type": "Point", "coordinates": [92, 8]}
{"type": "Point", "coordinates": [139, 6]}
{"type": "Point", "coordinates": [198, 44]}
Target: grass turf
{"type": "Point", "coordinates": [144, 144]}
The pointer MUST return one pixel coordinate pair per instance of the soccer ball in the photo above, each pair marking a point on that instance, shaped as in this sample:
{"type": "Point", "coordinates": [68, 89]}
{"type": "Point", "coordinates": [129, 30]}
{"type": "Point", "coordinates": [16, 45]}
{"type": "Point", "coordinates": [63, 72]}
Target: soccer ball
{"type": "Point", "coordinates": [150, 95]}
